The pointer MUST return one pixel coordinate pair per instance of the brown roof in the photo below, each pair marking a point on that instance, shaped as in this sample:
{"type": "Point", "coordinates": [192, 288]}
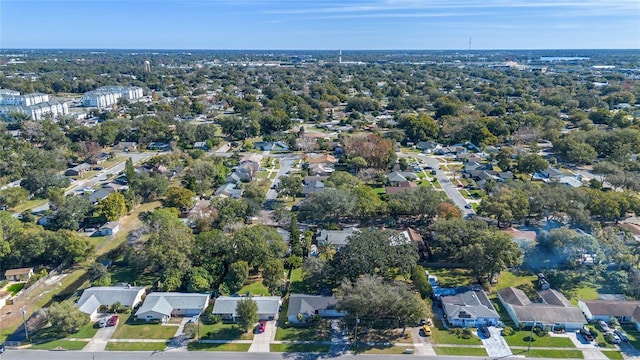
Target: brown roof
{"type": "Point", "coordinates": [611, 308]}
{"type": "Point", "coordinates": [553, 297]}
{"type": "Point", "coordinates": [636, 313]}
{"type": "Point", "coordinates": [414, 235]}
{"type": "Point", "coordinates": [21, 271]}
{"type": "Point", "coordinates": [403, 185]}
{"type": "Point", "coordinates": [632, 228]}
{"type": "Point", "coordinates": [519, 234]}
{"type": "Point", "coordinates": [321, 159]}
{"type": "Point", "coordinates": [514, 296]}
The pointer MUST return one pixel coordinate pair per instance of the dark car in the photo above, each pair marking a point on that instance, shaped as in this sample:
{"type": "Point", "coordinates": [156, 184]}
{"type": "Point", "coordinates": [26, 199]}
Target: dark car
{"type": "Point", "coordinates": [2, 349]}
{"type": "Point", "coordinates": [485, 331]}
{"type": "Point", "coordinates": [586, 334]}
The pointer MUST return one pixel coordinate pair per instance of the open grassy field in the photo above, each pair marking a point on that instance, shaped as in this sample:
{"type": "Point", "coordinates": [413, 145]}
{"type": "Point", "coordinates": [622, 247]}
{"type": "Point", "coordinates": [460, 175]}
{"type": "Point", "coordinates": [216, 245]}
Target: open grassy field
{"type": "Point", "coordinates": [451, 277]}
{"type": "Point", "coordinates": [128, 330]}
{"type": "Point", "coordinates": [255, 288]}
{"type": "Point", "coordinates": [135, 346]}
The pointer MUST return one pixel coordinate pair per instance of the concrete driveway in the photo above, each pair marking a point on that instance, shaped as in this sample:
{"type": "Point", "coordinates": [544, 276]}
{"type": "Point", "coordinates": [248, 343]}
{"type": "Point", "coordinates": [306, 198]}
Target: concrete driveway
{"type": "Point", "coordinates": [421, 344]}
{"type": "Point", "coordinates": [496, 345]}
{"type": "Point", "coordinates": [100, 339]}
{"type": "Point", "coordinates": [261, 341]}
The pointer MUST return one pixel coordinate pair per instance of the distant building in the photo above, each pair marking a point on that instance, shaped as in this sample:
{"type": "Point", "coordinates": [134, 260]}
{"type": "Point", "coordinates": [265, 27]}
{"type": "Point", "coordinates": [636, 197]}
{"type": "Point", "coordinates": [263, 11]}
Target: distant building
{"type": "Point", "coordinates": [22, 274]}
{"type": "Point", "coordinates": [110, 228]}
{"type": "Point", "coordinates": [109, 95]}
{"type": "Point", "coordinates": [35, 106]}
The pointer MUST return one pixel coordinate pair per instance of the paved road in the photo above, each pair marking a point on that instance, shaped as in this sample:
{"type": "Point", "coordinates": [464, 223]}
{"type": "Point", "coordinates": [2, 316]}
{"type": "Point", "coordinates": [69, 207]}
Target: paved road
{"type": "Point", "coordinates": [444, 181]}
{"type": "Point", "coordinates": [101, 177]}
{"type": "Point", "coordinates": [286, 164]}
{"type": "Point", "coordinates": [203, 355]}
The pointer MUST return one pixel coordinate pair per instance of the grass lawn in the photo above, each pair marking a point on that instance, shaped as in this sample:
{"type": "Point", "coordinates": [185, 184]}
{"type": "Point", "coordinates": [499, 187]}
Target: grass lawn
{"type": "Point", "coordinates": [521, 338]}
{"type": "Point", "coordinates": [306, 348]}
{"type": "Point", "coordinates": [127, 223]}
{"type": "Point", "coordinates": [380, 349]}
{"type": "Point", "coordinates": [588, 292]}
{"type": "Point", "coordinates": [135, 346]}
{"type": "Point", "coordinates": [557, 354]}
{"type": "Point", "coordinates": [451, 277]}
{"type": "Point", "coordinates": [64, 344]}
{"type": "Point", "coordinates": [613, 355]}
{"type": "Point", "coordinates": [196, 346]}
{"type": "Point", "coordinates": [255, 288]}
{"type": "Point", "coordinates": [440, 335]}
{"type": "Point", "coordinates": [633, 334]}
{"type": "Point", "coordinates": [458, 351]}
{"type": "Point", "coordinates": [221, 331]}
{"type": "Point", "coordinates": [318, 332]}
{"type": "Point", "coordinates": [85, 332]}
{"type": "Point", "coordinates": [128, 330]}
{"type": "Point", "coordinates": [15, 288]}
{"type": "Point", "coordinates": [29, 204]}
{"type": "Point", "coordinates": [296, 285]}
{"type": "Point", "coordinates": [509, 279]}
{"type": "Point", "coordinates": [600, 338]}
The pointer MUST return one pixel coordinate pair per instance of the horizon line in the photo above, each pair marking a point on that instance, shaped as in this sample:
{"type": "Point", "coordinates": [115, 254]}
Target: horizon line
{"type": "Point", "coordinates": [336, 49]}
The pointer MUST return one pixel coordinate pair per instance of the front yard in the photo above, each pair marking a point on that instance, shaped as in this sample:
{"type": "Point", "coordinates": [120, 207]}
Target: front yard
{"type": "Point", "coordinates": [198, 346]}
{"type": "Point", "coordinates": [135, 346]}
{"type": "Point", "coordinates": [556, 354]}
{"type": "Point", "coordinates": [299, 348]}
{"type": "Point", "coordinates": [459, 351]}
{"type": "Point", "coordinates": [222, 331]}
{"type": "Point", "coordinates": [521, 338]}
{"type": "Point", "coordinates": [128, 329]}
{"type": "Point", "coordinates": [320, 331]}
{"type": "Point", "coordinates": [61, 344]}
{"type": "Point", "coordinates": [440, 335]}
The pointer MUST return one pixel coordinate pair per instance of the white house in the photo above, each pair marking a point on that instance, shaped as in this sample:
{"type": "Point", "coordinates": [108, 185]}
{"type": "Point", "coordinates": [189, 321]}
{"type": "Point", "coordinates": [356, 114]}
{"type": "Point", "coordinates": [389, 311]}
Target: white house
{"type": "Point", "coordinates": [110, 228]}
{"type": "Point", "coordinates": [470, 308]}
{"type": "Point", "coordinates": [94, 297]}
{"type": "Point", "coordinates": [163, 305]}
{"type": "Point", "coordinates": [268, 307]}
{"type": "Point", "coordinates": [555, 311]}
{"type": "Point", "coordinates": [606, 309]}
{"type": "Point", "coordinates": [303, 307]}
{"type": "Point", "coordinates": [21, 274]}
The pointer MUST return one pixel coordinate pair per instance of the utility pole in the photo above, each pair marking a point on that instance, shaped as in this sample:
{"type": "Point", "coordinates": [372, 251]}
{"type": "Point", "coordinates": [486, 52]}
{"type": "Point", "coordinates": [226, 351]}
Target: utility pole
{"type": "Point", "coordinates": [531, 334]}
{"type": "Point", "coordinates": [355, 334]}
{"type": "Point", "coordinates": [24, 320]}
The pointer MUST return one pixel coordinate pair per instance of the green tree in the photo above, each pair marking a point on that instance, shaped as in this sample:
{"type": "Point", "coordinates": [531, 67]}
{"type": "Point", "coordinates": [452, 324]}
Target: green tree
{"type": "Point", "coordinates": [198, 280]}
{"type": "Point", "coordinates": [13, 196]}
{"type": "Point", "coordinates": [420, 282]}
{"type": "Point", "coordinates": [179, 198]}
{"type": "Point", "coordinates": [247, 311]}
{"type": "Point", "coordinates": [65, 318]}
{"type": "Point", "coordinates": [99, 275]}
{"type": "Point", "coordinates": [531, 164]}
{"type": "Point", "coordinates": [112, 207]}
{"type": "Point", "coordinates": [273, 274]}
{"type": "Point", "coordinates": [290, 185]}
{"type": "Point", "coordinates": [237, 275]}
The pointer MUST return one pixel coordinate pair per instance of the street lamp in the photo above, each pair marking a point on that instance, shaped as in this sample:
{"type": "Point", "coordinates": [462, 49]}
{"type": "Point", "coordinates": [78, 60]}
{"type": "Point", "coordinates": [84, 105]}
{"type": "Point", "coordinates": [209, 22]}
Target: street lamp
{"type": "Point", "coordinates": [24, 320]}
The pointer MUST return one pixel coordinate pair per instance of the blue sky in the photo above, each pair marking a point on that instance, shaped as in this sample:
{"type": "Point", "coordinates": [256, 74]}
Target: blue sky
{"type": "Point", "coordinates": [320, 24]}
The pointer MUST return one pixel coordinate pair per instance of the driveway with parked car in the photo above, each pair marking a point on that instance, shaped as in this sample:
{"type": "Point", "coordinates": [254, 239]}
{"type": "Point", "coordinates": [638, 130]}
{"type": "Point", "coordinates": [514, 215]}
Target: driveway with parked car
{"type": "Point", "coordinates": [494, 343]}
{"type": "Point", "coordinates": [104, 334]}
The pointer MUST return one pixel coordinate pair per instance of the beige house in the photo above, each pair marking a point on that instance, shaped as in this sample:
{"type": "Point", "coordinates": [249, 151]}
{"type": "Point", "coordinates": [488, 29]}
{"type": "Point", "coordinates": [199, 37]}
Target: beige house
{"type": "Point", "coordinates": [22, 274]}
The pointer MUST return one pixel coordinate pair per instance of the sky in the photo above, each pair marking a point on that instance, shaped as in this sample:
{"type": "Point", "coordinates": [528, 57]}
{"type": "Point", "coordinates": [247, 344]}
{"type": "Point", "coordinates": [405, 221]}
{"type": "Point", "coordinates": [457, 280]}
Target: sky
{"type": "Point", "coordinates": [320, 24]}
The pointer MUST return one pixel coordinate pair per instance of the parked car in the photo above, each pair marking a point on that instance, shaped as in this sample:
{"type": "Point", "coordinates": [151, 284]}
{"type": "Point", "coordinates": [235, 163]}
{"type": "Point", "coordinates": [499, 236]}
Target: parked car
{"type": "Point", "coordinates": [427, 330]}
{"type": "Point", "coordinates": [603, 326]}
{"type": "Point", "coordinates": [113, 321]}
{"type": "Point", "coordinates": [2, 348]}
{"type": "Point", "coordinates": [261, 326]}
{"type": "Point", "coordinates": [586, 334]}
{"type": "Point", "coordinates": [485, 331]}
{"type": "Point", "coordinates": [98, 168]}
{"type": "Point", "coordinates": [468, 206]}
{"type": "Point", "coordinates": [612, 338]}
{"type": "Point", "coordinates": [102, 322]}
{"type": "Point", "coordinates": [623, 336]}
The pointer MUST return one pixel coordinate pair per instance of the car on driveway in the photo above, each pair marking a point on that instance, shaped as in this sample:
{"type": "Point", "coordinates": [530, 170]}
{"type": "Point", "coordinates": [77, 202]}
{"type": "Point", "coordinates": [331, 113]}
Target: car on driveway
{"type": "Point", "coordinates": [586, 334]}
{"type": "Point", "coordinates": [603, 326]}
{"type": "Point", "coordinates": [623, 336]}
{"type": "Point", "coordinates": [426, 329]}
{"type": "Point", "coordinates": [261, 326]}
{"type": "Point", "coordinates": [113, 321]}
{"type": "Point", "coordinates": [103, 321]}
{"type": "Point", "coordinates": [2, 348]}
{"type": "Point", "coordinates": [485, 331]}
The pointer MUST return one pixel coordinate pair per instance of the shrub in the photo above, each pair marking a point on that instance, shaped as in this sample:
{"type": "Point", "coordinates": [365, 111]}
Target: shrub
{"type": "Point", "coordinates": [508, 331]}
{"type": "Point", "coordinates": [539, 331]}
{"type": "Point", "coordinates": [467, 333]}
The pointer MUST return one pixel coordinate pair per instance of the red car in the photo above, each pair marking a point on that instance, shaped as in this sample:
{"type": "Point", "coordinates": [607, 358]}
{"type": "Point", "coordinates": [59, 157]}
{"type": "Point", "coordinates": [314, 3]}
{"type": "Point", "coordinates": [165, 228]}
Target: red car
{"type": "Point", "coordinates": [261, 326]}
{"type": "Point", "coordinates": [113, 321]}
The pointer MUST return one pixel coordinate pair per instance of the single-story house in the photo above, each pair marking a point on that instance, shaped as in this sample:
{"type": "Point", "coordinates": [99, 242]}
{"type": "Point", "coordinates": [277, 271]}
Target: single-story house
{"type": "Point", "coordinates": [401, 186]}
{"type": "Point", "coordinates": [159, 146]}
{"type": "Point", "coordinates": [77, 170]}
{"type": "Point", "coordinates": [321, 169]}
{"type": "Point", "coordinates": [337, 238]}
{"type": "Point", "coordinates": [521, 237]}
{"type": "Point", "coordinates": [570, 181]}
{"type": "Point", "coordinates": [110, 228]}
{"type": "Point", "coordinates": [229, 190]}
{"type": "Point", "coordinates": [94, 297]}
{"type": "Point", "coordinates": [415, 237]}
{"type": "Point", "coordinates": [100, 194]}
{"type": "Point", "coordinates": [606, 309]}
{"type": "Point", "coordinates": [163, 305]}
{"type": "Point", "coordinates": [271, 146]}
{"type": "Point", "coordinates": [256, 158]}
{"type": "Point", "coordinates": [21, 274]}
{"type": "Point", "coordinates": [268, 307]}
{"type": "Point", "coordinates": [246, 171]}
{"type": "Point", "coordinates": [428, 146]}
{"type": "Point", "coordinates": [555, 311]}
{"type": "Point", "coordinates": [202, 145]}
{"type": "Point", "coordinates": [307, 306]}
{"type": "Point", "coordinates": [126, 146]}
{"type": "Point", "coordinates": [469, 308]}
{"type": "Point", "coordinates": [312, 186]}
{"type": "Point", "coordinates": [397, 177]}
{"type": "Point", "coordinates": [319, 159]}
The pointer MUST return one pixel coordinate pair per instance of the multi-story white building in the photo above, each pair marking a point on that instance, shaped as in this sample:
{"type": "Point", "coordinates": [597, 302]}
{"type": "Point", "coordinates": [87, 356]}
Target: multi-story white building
{"type": "Point", "coordinates": [109, 95]}
{"type": "Point", "coordinates": [36, 105]}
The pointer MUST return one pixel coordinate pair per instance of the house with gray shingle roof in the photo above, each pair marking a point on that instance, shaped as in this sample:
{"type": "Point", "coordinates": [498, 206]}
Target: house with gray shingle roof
{"type": "Point", "coordinates": [554, 312]}
{"type": "Point", "coordinates": [606, 309]}
{"type": "Point", "coordinates": [163, 305]}
{"type": "Point", "coordinates": [307, 306]}
{"type": "Point", "coordinates": [268, 307]}
{"type": "Point", "coordinates": [94, 297]}
{"type": "Point", "coordinates": [469, 308]}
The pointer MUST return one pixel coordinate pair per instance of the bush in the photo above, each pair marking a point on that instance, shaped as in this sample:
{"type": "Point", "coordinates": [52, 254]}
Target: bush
{"type": "Point", "coordinates": [539, 331]}
{"type": "Point", "coordinates": [508, 331]}
{"type": "Point", "coordinates": [467, 333]}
